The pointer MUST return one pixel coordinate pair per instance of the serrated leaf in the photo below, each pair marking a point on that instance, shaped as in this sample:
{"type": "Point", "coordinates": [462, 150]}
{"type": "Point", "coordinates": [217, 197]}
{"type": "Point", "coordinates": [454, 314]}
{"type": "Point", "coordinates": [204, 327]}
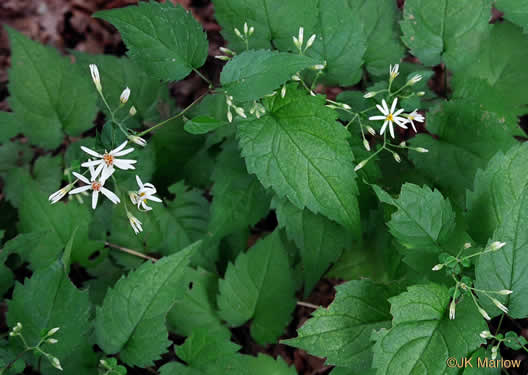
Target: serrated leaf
{"type": "Point", "coordinates": [300, 150]}
{"type": "Point", "coordinates": [183, 221]}
{"type": "Point", "coordinates": [204, 346]}
{"type": "Point", "coordinates": [162, 38]}
{"type": "Point", "coordinates": [341, 332]}
{"type": "Point", "coordinates": [47, 102]}
{"type": "Point", "coordinates": [505, 268]}
{"type": "Point", "coordinates": [144, 297]}
{"type": "Point", "coordinates": [500, 61]}
{"type": "Point", "coordinates": [239, 200]}
{"type": "Point", "coordinates": [342, 27]}
{"type": "Point", "coordinates": [259, 286]}
{"type": "Point", "coordinates": [196, 309]}
{"type": "Point", "coordinates": [425, 219]}
{"type": "Point", "coordinates": [320, 240]}
{"type": "Point", "coordinates": [56, 223]}
{"type": "Point", "coordinates": [514, 11]}
{"type": "Point", "coordinates": [496, 190]}
{"type": "Point", "coordinates": [49, 300]}
{"type": "Point", "coordinates": [254, 74]}
{"type": "Point", "coordinates": [234, 365]}
{"type": "Point", "coordinates": [463, 135]}
{"type": "Point", "coordinates": [422, 333]}
{"type": "Point", "coordinates": [432, 28]}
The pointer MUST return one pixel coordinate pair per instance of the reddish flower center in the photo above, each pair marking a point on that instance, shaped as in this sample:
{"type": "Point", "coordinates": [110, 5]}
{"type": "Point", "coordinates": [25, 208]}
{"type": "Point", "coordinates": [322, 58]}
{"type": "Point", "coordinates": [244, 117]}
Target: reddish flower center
{"type": "Point", "coordinates": [108, 159]}
{"type": "Point", "coordinates": [96, 186]}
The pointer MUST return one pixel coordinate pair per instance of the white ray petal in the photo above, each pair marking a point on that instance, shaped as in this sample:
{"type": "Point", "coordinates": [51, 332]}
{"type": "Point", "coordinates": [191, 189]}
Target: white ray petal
{"type": "Point", "coordinates": [80, 189]}
{"type": "Point", "coordinates": [95, 196]}
{"type": "Point", "coordinates": [91, 152]}
{"type": "Point", "coordinates": [81, 177]}
{"type": "Point", "coordinates": [110, 195]}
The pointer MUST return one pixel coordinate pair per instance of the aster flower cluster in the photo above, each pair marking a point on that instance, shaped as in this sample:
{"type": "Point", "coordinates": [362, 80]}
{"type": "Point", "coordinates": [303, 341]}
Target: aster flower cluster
{"type": "Point", "coordinates": [102, 166]}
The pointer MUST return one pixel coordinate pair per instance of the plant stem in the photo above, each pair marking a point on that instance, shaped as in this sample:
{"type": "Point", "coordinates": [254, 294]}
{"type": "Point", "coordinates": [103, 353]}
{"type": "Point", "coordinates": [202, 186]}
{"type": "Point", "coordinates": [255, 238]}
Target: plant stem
{"type": "Point", "coordinates": [173, 117]}
{"type": "Point", "coordinates": [203, 77]}
{"type": "Point", "coordinates": [131, 252]}
{"type": "Point", "coordinates": [306, 304]}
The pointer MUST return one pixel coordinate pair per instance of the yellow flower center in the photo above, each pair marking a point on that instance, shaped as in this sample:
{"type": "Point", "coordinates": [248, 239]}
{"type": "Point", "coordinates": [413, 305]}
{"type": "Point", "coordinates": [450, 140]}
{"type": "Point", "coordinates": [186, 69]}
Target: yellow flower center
{"type": "Point", "coordinates": [389, 117]}
{"type": "Point", "coordinates": [108, 159]}
{"type": "Point", "coordinates": [96, 186]}
{"type": "Point", "coordinates": [411, 118]}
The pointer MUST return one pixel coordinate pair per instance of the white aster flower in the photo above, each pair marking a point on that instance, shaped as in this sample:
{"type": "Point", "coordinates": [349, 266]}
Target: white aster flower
{"type": "Point", "coordinates": [137, 140]}
{"type": "Point", "coordinates": [135, 223]}
{"type": "Point", "coordinates": [108, 160]}
{"type": "Point", "coordinates": [146, 192]}
{"type": "Point", "coordinates": [94, 71]}
{"type": "Point", "coordinates": [389, 117]}
{"type": "Point", "coordinates": [96, 185]}
{"type": "Point", "coordinates": [59, 194]}
{"type": "Point", "coordinates": [124, 96]}
{"type": "Point", "coordinates": [414, 116]}
{"type": "Point", "coordinates": [394, 71]}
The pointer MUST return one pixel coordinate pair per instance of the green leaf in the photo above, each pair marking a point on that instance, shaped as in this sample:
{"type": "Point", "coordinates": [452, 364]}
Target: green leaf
{"type": "Point", "coordinates": [162, 38]}
{"type": "Point", "coordinates": [8, 126]}
{"type": "Point", "coordinates": [56, 223]}
{"type": "Point", "coordinates": [482, 356]}
{"type": "Point", "coordinates": [341, 332]}
{"type": "Point", "coordinates": [205, 346]}
{"type": "Point", "coordinates": [300, 150]}
{"type": "Point", "coordinates": [144, 297]}
{"type": "Point", "coordinates": [259, 286]}
{"type": "Point", "coordinates": [424, 220]}
{"type": "Point", "coordinates": [379, 19]}
{"type": "Point", "coordinates": [203, 125]}
{"type": "Point", "coordinates": [434, 28]}
{"type": "Point", "coordinates": [514, 12]}
{"type": "Point", "coordinates": [234, 365]}
{"type": "Point", "coordinates": [342, 28]}
{"type": "Point", "coordinates": [422, 332]}
{"type": "Point", "coordinates": [197, 308]}
{"type": "Point", "coordinates": [183, 221]}
{"type": "Point", "coordinates": [49, 300]}
{"type": "Point", "coordinates": [500, 61]}
{"type": "Point", "coordinates": [239, 200]}
{"type": "Point", "coordinates": [463, 135]}
{"type": "Point", "coordinates": [505, 268]}
{"type": "Point", "coordinates": [254, 74]}
{"type": "Point", "coordinates": [496, 190]}
{"type": "Point", "coordinates": [47, 102]}
{"type": "Point", "coordinates": [119, 73]}
{"type": "Point", "coordinates": [319, 239]}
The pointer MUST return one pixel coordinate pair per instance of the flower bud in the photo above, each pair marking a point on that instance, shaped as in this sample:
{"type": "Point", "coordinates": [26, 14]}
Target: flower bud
{"type": "Point", "coordinates": [420, 93]}
{"type": "Point", "coordinates": [371, 130]}
{"type": "Point", "coordinates": [52, 331]}
{"type": "Point", "coordinates": [56, 363]}
{"type": "Point", "coordinates": [483, 313]}
{"type": "Point", "coordinates": [52, 341]}
{"type": "Point", "coordinates": [438, 267]}
{"type": "Point", "coordinates": [137, 140]}
{"type": "Point", "coordinates": [223, 58]}
{"type": "Point", "coordinates": [251, 31]}
{"type": "Point", "coordinates": [467, 245]}
{"type": "Point", "coordinates": [497, 303]}
{"type": "Point", "coordinates": [319, 66]}
{"type": "Point", "coordinates": [238, 33]}
{"type": "Point", "coordinates": [396, 157]}
{"type": "Point", "coordinates": [366, 144]}
{"type": "Point", "coordinates": [403, 144]}
{"type": "Point", "coordinates": [124, 96]}
{"type": "Point", "coordinates": [132, 111]}
{"type": "Point", "coordinates": [415, 79]}
{"type": "Point", "coordinates": [240, 112]}
{"type": "Point", "coordinates": [283, 91]}
{"type": "Point", "coordinates": [421, 149]}
{"type": "Point", "coordinates": [452, 308]}
{"type": "Point", "coordinates": [494, 351]}
{"type": "Point", "coordinates": [504, 292]}
{"type": "Point", "coordinates": [229, 115]}
{"type": "Point", "coordinates": [310, 41]}
{"type": "Point", "coordinates": [133, 197]}
{"type": "Point", "coordinates": [345, 106]}
{"type": "Point", "coordinates": [497, 245]}
{"type": "Point", "coordinates": [361, 165]}
{"type": "Point", "coordinates": [94, 71]}
{"type": "Point", "coordinates": [485, 334]}
{"type": "Point", "coordinates": [246, 28]}
{"type": "Point", "coordinates": [370, 94]}
{"type": "Point", "coordinates": [296, 77]}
